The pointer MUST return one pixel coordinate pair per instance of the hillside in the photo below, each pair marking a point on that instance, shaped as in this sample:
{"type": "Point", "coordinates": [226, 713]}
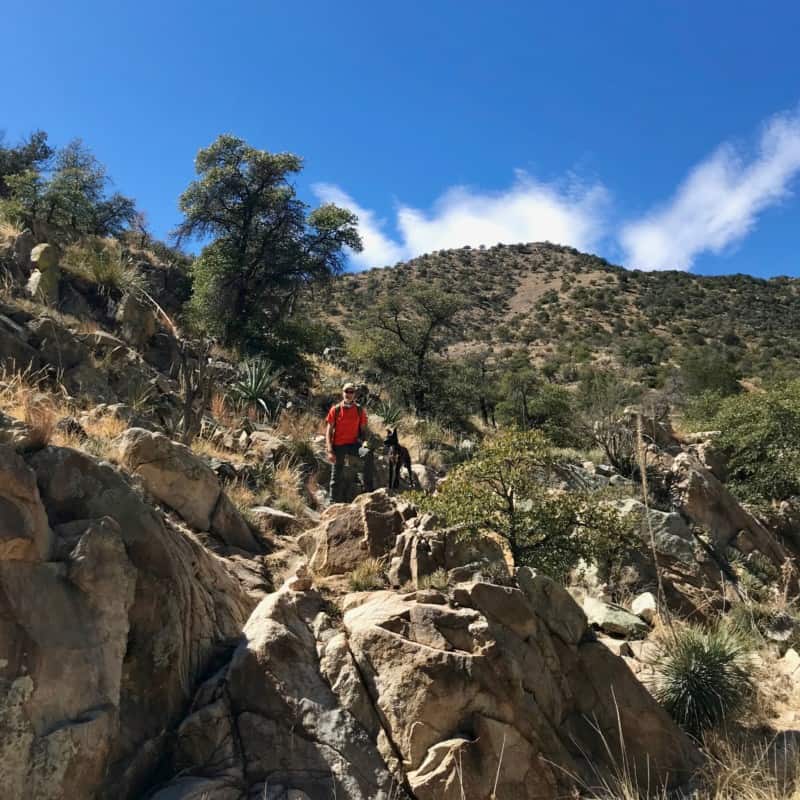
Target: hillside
{"type": "Point", "coordinates": [568, 306]}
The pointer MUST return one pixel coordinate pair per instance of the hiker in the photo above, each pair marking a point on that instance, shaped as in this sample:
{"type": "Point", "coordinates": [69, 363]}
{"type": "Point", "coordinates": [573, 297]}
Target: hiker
{"type": "Point", "coordinates": [345, 437]}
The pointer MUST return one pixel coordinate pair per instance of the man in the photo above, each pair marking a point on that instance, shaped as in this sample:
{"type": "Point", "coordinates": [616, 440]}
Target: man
{"type": "Point", "coordinates": [347, 429]}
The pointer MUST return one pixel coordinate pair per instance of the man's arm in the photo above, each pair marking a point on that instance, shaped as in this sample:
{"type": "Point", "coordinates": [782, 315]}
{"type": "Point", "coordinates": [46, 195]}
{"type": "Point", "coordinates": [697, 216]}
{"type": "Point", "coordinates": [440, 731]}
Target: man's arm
{"type": "Point", "coordinates": [329, 441]}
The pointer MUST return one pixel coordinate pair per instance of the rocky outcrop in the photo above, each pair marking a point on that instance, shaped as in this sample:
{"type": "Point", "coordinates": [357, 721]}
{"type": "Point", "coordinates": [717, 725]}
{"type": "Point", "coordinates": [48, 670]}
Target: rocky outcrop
{"type": "Point", "coordinates": [348, 534]}
{"type": "Point", "coordinates": [137, 319]}
{"type": "Point", "coordinates": [104, 635]}
{"type": "Point", "coordinates": [412, 696]}
{"type": "Point", "coordinates": [425, 547]}
{"type": "Point", "coordinates": [702, 498]}
{"type": "Point", "coordinates": [181, 480]}
{"type": "Point", "coordinates": [58, 345]}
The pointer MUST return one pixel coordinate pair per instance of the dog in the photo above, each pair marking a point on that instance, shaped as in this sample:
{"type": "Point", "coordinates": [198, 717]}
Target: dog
{"type": "Point", "coordinates": [398, 457]}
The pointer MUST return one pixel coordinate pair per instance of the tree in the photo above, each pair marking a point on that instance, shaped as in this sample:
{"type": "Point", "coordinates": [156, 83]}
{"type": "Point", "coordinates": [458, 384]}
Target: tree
{"type": "Point", "coordinates": [32, 154]}
{"type": "Point", "coordinates": [403, 337]}
{"type": "Point", "coordinates": [506, 489]}
{"type": "Point", "coordinates": [70, 198]}
{"type": "Point", "coordinates": [706, 369]}
{"type": "Point", "coordinates": [266, 248]}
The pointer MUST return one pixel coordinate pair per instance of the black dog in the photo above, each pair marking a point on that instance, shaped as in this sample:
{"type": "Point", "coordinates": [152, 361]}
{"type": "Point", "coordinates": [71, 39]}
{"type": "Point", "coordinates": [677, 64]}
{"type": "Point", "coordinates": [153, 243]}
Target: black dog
{"type": "Point", "coordinates": [399, 457]}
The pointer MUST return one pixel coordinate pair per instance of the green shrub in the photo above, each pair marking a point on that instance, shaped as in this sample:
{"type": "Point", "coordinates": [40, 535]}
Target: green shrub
{"type": "Point", "coordinates": [760, 434]}
{"type": "Point", "coordinates": [703, 677]}
{"type": "Point", "coordinates": [103, 263]}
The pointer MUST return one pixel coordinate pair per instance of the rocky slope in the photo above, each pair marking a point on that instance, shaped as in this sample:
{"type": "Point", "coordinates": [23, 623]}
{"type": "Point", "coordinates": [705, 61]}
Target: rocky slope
{"type": "Point", "coordinates": [146, 653]}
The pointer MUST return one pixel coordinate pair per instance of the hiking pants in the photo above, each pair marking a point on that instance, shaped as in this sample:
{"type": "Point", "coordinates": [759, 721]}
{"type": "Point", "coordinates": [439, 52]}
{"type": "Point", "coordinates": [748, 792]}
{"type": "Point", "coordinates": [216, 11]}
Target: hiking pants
{"type": "Point", "coordinates": [343, 453]}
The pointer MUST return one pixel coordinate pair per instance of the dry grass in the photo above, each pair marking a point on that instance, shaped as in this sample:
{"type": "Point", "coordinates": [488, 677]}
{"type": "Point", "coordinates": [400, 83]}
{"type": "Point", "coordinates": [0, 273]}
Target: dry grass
{"type": "Point", "coordinates": [299, 426]}
{"type": "Point", "coordinates": [288, 487]}
{"type": "Point", "coordinates": [367, 576]}
{"type": "Point", "coordinates": [205, 447]}
{"type": "Point", "coordinates": [221, 409]}
{"type": "Point", "coordinates": [242, 496]}
{"type": "Point", "coordinates": [8, 230]}
{"type": "Point", "coordinates": [39, 415]}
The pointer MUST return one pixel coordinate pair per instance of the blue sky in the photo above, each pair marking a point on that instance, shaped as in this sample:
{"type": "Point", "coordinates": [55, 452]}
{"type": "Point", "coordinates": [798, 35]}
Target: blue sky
{"type": "Point", "coordinates": [657, 134]}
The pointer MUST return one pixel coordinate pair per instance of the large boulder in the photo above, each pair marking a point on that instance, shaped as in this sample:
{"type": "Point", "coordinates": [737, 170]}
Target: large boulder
{"type": "Point", "coordinates": [104, 639]}
{"type": "Point", "coordinates": [24, 532]}
{"type": "Point", "coordinates": [411, 695]}
{"type": "Point", "coordinates": [304, 723]}
{"type": "Point", "coordinates": [173, 474]}
{"type": "Point", "coordinates": [424, 547]}
{"type": "Point", "coordinates": [498, 679]}
{"type": "Point", "coordinates": [44, 280]}
{"type": "Point", "coordinates": [703, 499]}
{"type": "Point", "coordinates": [670, 532]}
{"type": "Point", "coordinates": [138, 319]}
{"type": "Point", "coordinates": [348, 534]}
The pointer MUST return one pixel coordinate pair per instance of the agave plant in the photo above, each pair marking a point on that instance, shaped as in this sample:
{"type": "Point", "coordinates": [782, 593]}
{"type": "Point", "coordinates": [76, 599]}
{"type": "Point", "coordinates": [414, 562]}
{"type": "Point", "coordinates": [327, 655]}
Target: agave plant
{"type": "Point", "coordinates": [389, 412]}
{"type": "Point", "coordinates": [254, 388]}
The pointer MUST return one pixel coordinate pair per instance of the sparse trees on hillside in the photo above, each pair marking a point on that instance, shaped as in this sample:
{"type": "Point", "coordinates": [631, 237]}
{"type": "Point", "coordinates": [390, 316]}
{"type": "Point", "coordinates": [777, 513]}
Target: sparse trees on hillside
{"type": "Point", "coordinates": [266, 246]}
{"type": "Point", "coordinates": [33, 153]}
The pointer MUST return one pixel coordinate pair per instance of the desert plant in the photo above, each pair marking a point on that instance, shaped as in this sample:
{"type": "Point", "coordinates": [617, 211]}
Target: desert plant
{"type": "Point", "coordinates": [255, 386]}
{"type": "Point", "coordinates": [367, 576]}
{"type": "Point", "coordinates": [703, 676]}
{"type": "Point", "coordinates": [104, 263]}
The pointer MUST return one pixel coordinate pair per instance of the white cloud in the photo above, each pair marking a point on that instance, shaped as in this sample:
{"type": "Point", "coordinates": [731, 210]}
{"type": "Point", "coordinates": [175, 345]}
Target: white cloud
{"type": "Point", "coordinates": [718, 203]}
{"type": "Point", "coordinates": [528, 211]}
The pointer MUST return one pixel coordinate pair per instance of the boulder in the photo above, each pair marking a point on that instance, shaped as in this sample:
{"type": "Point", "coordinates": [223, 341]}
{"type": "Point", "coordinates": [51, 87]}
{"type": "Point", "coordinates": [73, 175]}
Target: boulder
{"type": "Point", "coordinates": [15, 351]}
{"type": "Point", "coordinates": [672, 535]}
{"type": "Point", "coordinates": [614, 619]}
{"type": "Point", "coordinates": [645, 605]}
{"type": "Point", "coordinates": [703, 499]}
{"type": "Point", "coordinates": [348, 534]}
{"type": "Point", "coordinates": [495, 673]}
{"type": "Point", "coordinates": [439, 700]}
{"type": "Point", "coordinates": [137, 319]}
{"type": "Point", "coordinates": [103, 645]}
{"type": "Point", "coordinates": [46, 274]}
{"type": "Point", "coordinates": [24, 532]}
{"type": "Point", "coordinates": [58, 345]}
{"type": "Point", "coordinates": [173, 474]}
{"type": "Point", "coordinates": [423, 548]}
{"type": "Point", "coordinates": [304, 722]}
{"type": "Point", "coordinates": [424, 477]}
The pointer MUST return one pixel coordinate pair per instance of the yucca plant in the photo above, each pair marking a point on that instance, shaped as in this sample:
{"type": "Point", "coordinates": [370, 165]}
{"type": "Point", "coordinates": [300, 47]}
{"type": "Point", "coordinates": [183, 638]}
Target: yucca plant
{"type": "Point", "coordinates": [703, 676]}
{"type": "Point", "coordinates": [389, 412]}
{"type": "Point", "coordinates": [254, 388]}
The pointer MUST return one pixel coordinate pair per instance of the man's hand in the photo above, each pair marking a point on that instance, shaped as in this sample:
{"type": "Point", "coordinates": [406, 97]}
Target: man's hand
{"type": "Point", "coordinates": [331, 456]}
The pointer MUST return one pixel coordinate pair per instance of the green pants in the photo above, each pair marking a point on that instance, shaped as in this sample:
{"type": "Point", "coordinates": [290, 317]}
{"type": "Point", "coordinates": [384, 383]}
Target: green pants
{"type": "Point", "coordinates": [344, 453]}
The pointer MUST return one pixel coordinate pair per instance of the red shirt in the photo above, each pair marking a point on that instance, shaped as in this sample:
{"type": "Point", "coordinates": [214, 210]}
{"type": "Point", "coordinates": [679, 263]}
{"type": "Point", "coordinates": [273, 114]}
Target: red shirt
{"type": "Point", "coordinates": [347, 421]}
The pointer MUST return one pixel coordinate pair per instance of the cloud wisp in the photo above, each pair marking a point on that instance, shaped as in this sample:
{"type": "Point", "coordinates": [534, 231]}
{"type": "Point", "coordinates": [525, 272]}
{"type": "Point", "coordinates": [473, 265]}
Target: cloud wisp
{"type": "Point", "coordinates": [718, 203]}
{"type": "Point", "coordinates": [527, 211]}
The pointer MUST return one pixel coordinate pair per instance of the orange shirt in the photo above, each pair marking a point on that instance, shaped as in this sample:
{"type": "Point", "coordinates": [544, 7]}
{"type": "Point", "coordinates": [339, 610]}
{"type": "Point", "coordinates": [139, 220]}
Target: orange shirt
{"type": "Point", "coordinates": [347, 421]}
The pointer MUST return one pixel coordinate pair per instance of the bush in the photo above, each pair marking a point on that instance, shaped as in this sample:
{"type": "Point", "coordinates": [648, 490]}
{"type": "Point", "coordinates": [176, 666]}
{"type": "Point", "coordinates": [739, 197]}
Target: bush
{"type": "Point", "coordinates": [103, 263]}
{"type": "Point", "coordinates": [703, 677]}
{"type": "Point", "coordinates": [507, 488]}
{"type": "Point", "coordinates": [760, 434]}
